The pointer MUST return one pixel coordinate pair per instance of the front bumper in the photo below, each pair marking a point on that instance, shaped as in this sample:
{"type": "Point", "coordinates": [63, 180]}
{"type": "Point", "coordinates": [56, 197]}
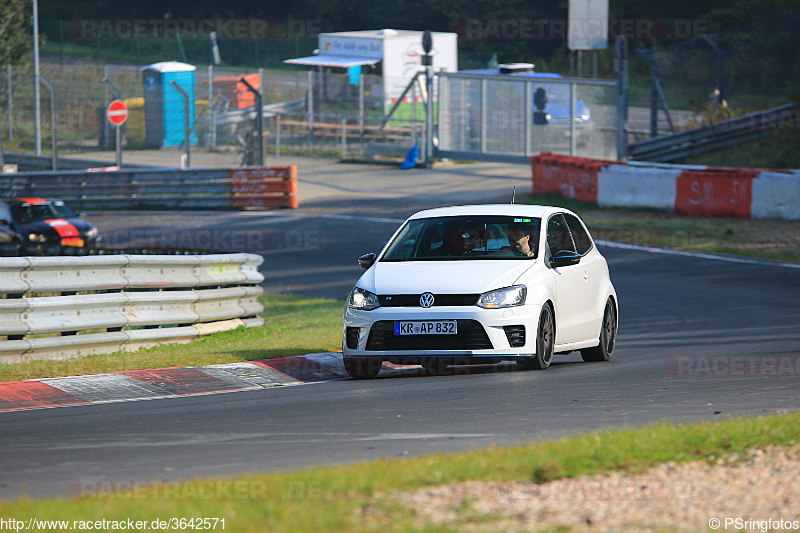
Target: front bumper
{"type": "Point", "coordinates": [485, 332]}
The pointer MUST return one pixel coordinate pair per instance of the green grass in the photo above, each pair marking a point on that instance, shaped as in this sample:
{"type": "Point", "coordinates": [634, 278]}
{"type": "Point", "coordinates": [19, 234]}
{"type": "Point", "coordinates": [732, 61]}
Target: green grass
{"type": "Point", "coordinates": [359, 497]}
{"type": "Point", "coordinates": [294, 326]}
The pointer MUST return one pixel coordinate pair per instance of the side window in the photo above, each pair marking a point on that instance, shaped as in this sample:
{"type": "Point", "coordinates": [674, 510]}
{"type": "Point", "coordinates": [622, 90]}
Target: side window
{"type": "Point", "coordinates": [5, 213]}
{"type": "Point", "coordinates": [583, 243]}
{"type": "Point", "coordinates": [558, 235]}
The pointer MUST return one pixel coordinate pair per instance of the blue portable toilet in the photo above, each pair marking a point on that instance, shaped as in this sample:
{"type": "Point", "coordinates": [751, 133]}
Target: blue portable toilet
{"type": "Point", "coordinates": [163, 104]}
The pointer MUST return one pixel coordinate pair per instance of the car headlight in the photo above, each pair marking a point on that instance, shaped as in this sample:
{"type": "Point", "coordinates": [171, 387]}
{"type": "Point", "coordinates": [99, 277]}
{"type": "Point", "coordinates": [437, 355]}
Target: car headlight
{"type": "Point", "coordinates": [507, 297]}
{"type": "Point", "coordinates": [92, 233]}
{"type": "Point", "coordinates": [363, 300]}
{"type": "Point", "coordinates": [35, 237]}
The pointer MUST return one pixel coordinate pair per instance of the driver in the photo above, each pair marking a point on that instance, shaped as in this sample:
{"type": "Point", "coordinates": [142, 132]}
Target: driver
{"type": "Point", "coordinates": [520, 240]}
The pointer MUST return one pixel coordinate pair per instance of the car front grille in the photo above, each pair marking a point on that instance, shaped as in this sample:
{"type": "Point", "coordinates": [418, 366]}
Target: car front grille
{"type": "Point", "coordinates": [470, 336]}
{"type": "Point", "coordinates": [412, 300]}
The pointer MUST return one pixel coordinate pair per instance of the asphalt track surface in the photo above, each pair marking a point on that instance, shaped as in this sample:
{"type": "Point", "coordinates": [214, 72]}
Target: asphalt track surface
{"type": "Point", "coordinates": [700, 339]}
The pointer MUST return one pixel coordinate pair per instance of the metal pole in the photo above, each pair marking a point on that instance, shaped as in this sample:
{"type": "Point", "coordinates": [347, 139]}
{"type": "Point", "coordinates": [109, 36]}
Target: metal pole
{"type": "Point", "coordinates": [185, 122]}
{"type": "Point", "coordinates": [277, 135]}
{"type": "Point", "coordinates": [53, 127]}
{"type": "Point", "coordinates": [622, 99]}
{"type": "Point", "coordinates": [10, 106]}
{"type": "Point", "coordinates": [344, 138]}
{"type": "Point", "coordinates": [528, 103]}
{"type": "Point", "coordinates": [310, 109]}
{"type": "Point", "coordinates": [106, 125]}
{"type": "Point", "coordinates": [414, 113]}
{"type": "Point", "coordinates": [429, 81]}
{"type": "Point", "coordinates": [259, 119]}
{"type": "Point", "coordinates": [572, 106]}
{"type": "Point", "coordinates": [36, 94]}
{"type": "Point", "coordinates": [653, 92]}
{"type": "Point", "coordinates": [361, 112]}
{"type": "Point", "coordinates": [118, 144]}
{"type": "Point", "coordinates": [210, 142]}
{"type": "Point", "coordinates": [484, 107]}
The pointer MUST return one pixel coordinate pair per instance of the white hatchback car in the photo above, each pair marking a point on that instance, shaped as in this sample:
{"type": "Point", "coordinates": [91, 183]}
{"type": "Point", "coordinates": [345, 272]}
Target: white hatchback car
{"type": "Point", "coordinates": [481, 284]}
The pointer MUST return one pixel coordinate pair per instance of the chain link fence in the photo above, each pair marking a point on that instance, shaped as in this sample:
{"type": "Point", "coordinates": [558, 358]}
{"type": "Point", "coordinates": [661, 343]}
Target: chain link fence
{"type": "Point", "coordinates": [514, 117]}
{"type": "Point", "coordinates": [317, 112]}
{"type": "Point", "coordinates": [756, 66]}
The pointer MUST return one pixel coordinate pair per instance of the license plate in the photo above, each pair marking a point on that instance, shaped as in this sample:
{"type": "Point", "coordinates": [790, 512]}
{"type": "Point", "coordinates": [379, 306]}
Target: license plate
{"type": "Point", "coordinates": [426, 327]}
{"type": "Point", "coordinates": [74, 241]}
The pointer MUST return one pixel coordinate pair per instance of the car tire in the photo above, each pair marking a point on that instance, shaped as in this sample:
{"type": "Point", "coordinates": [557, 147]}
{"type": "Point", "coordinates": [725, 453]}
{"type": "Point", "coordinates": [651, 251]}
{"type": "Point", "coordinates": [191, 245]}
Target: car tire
{"type": "Point", "coordinates": [608, 337]}
{"type": "Point", "coordinates": [362, 368]}
{"type": "Point", "coordinates": [545, 341]}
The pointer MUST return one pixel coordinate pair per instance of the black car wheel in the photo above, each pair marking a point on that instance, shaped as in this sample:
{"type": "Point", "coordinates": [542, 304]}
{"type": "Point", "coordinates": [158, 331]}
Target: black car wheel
{"type": "Point", "coordinates": [608, 337]}
{"type": "Point", "coordinates": [545, 340]}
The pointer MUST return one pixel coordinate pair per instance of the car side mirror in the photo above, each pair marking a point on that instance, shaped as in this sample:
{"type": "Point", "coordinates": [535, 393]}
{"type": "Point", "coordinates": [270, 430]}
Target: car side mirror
{"type": "Point", "coordinates": [565, 258]}
{"type": "Point", "coordinates": [367, 260]}
{"type": "Point", "coordinates": [4, 222]}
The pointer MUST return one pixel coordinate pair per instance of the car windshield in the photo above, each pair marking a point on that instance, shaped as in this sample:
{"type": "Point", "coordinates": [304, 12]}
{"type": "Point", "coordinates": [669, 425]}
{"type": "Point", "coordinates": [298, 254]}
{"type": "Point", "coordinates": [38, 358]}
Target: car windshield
{"type": "Point", "coordinates": [466, 237]}
{"type": "Point", "coordinates": [46, 211]}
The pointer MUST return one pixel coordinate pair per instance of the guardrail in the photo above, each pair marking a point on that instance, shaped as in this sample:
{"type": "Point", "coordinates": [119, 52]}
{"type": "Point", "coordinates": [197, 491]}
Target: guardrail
{"type": "Point", "coordinates": [718, 135]}
{"type": "Point", "coordinates": [139, 301]}
{"type": "Point", "coordinates": [30, 162]}
{"type": "Point", "coordinates": [234, 187]}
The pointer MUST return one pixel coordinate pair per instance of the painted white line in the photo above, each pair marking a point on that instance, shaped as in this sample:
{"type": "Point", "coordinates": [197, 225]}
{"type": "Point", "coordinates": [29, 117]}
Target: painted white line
{"type": "Point", "coordinates": [697, 255]}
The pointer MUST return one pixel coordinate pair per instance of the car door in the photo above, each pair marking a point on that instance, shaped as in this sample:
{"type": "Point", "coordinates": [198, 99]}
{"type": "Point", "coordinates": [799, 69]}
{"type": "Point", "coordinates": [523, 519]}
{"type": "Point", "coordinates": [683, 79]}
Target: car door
{"type": "Point", "coordinates": [594, 271]}
{"type": "Point", "coordinates": [569, 281]}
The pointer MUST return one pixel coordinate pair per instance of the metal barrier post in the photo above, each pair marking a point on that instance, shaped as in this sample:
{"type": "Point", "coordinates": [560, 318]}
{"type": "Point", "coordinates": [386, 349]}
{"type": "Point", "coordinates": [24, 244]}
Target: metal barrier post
{"type": "Point", "coordinates": [186, 142]}
{"type": "Point", "coordinates": [53, 126]}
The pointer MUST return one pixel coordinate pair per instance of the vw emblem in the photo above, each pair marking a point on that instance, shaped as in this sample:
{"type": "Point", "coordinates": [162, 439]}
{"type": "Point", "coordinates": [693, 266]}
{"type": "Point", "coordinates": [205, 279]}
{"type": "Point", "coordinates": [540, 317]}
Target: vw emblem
{"type": "Point", "coordinates": [426, 300]}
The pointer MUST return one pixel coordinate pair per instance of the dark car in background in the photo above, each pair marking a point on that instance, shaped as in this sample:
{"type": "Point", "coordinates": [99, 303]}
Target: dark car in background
{"type": "Point", "coordinates": [44, 221]}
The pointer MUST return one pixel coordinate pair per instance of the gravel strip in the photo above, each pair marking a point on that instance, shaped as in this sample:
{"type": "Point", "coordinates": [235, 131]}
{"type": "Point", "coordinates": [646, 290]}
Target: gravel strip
{"type": "Point", "coordinates": [669, 497]}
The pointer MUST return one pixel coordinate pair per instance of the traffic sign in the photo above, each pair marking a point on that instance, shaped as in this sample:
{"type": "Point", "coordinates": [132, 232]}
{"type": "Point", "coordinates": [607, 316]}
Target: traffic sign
{"type": "Point", "coordinates": [117, 113]}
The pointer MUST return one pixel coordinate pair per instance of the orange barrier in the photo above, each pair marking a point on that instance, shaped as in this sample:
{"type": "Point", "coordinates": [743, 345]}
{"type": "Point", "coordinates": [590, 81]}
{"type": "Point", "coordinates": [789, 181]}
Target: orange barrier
{"type": "Point", "coordinates": [257, 186]}
{"type": "Point", "coordinates": [568, 176]}
{"type": "Point", "coordinates": [716, 191]}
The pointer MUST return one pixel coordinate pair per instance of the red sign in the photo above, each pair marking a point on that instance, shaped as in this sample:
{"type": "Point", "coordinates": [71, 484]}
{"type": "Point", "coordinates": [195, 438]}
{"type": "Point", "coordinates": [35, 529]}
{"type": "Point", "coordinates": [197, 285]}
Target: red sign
{"type": "Point", "coordinates": [117, 113]}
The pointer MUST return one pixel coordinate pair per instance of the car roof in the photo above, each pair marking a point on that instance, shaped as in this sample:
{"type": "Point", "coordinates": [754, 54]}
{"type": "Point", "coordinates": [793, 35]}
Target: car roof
{"type": "Point", "coordinates": [33, 200]}
{"type": "Point", "coordinates": [538, 211]}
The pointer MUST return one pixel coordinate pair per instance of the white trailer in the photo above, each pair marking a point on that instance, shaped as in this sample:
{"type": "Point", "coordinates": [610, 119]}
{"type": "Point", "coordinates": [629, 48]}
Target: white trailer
{"type": "Point", "coordinates": [396, 55]}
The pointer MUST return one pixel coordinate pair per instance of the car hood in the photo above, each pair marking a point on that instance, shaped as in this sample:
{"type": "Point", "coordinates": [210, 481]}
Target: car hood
{"type": "Point", "coordinates": [69, 227]}
{"type": "Point", "coordinates": [442, 277]}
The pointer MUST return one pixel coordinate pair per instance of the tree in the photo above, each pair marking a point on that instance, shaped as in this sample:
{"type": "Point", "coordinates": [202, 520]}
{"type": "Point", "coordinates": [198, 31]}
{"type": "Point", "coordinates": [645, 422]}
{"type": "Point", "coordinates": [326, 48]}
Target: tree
{"type": "Point", "coordinates": [15, 42]}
